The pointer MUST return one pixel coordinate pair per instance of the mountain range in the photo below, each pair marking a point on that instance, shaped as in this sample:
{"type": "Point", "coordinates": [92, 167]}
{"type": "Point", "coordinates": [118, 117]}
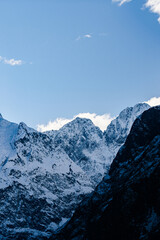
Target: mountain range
{"type": "Point", "coordinates": [44, 176]}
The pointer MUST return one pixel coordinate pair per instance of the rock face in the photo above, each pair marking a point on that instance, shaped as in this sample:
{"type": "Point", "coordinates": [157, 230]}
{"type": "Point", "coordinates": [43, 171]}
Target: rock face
{"type": "Point", "coordinates": [125, 205]}
{"type": "Point", "coordinates": [44, 176]}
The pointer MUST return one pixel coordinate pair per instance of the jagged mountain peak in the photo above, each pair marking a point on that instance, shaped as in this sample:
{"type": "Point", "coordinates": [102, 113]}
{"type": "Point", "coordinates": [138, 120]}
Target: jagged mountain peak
{"type": "Point", "coordinates": [80, 124]}
{"type": "Point", "coordinates": [1, 116]}
{"type": "Point", "coordinates": [117, 131]}
{"type": "Point", "coordinates": [23, 127]}
{"type": "Point", "coordinates": [135, 110]}
{"type": "Point", "coordinates": [74, 127]}
{"type": "Point", "coordinates": [79, 132]}
{"type": "Point", "coordinates": [138, 106]}
{"type": "Point", "coordinates": [24, 132]}
{"type": "Point", "coordinates": [79, 120]}
{"type": "Point", "coordinates": [83, 143]}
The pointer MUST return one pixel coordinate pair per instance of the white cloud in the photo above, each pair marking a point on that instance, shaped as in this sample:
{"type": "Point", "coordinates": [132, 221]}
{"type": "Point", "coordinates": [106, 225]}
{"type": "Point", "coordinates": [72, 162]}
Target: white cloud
{"type": "Point", "coordinates": [154, 6]}
{"type": "Point", "coordinates": [87, 36]}
{"type": "Point", "coordinates": [12, 61]}
{"type": "Point", "coordinates": [121, 2]}
{"type": "Point", "coordinates": [103, 34]}
{"type": "Point", "coordinates": [55, 125]}
{"type": "Point", "coordinates": [155, 101]}
{"type": "Point", "coordinates": [102, 121]}
{"type": "Point", "coordinates": [84, 36]}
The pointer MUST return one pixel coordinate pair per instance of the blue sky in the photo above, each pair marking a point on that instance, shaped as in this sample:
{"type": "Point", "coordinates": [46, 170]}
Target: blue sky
{"type": "Point", "coordinates": [64, 57]}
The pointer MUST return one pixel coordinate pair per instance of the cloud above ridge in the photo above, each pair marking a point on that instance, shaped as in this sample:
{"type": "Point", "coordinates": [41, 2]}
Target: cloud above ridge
{"type": "Point", "coordinates": [102, 121]}
{"type": "Point", "coordinates": [155, 101]}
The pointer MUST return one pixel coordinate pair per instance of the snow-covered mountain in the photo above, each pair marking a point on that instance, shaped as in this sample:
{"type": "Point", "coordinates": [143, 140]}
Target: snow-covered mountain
{"type": "Point", "coordinates": [89, 147]}
{"type": "Point", "coordinates": [40, 185]}
{"type": "Point", "coordinates": [44, 176]}
{"type": "Point", "coordinates": [125, 205]}
{"type": "Point", "coordinates": [83, 142]}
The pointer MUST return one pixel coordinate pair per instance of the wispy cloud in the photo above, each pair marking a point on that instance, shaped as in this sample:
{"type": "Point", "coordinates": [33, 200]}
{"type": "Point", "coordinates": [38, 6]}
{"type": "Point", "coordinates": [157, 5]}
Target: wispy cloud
{"type": "Point", "coordinates": [83, 37]}
{"type": "Point", "coordinates": [11, 62]}
{"type": "Point", "coordinates": [87, 36]}
{"type": "Point", "coordinates": [101, 34]}
{"type": "Point", "coordinates": [102, 121]}
{"type": "Point", "coordinates": [153, 5]}
{"type": "Point", "coordinates": [155, 101]}
{"type": "Point", "coordinates": [121, 2]}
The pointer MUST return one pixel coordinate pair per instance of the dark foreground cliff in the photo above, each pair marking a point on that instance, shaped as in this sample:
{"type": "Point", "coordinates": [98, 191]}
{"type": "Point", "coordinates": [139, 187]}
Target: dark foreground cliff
{"type": "Point", "coordinates": [126, 204]}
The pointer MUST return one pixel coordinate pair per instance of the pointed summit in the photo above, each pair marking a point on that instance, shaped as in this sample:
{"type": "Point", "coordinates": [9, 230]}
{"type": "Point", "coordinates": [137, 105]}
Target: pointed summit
{"type": "Point", "coordinates": [118, 130]}
{"type": "Point", "coordinates": [23, 129]}
{"type": "Point", "coordinates": [79, 123]}
{"type": "Point", "coordinates": [1, 116]}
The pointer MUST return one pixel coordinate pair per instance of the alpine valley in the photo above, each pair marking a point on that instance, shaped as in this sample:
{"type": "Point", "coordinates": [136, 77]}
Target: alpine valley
{"type": "Point", "coordinates": [45, 176]}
